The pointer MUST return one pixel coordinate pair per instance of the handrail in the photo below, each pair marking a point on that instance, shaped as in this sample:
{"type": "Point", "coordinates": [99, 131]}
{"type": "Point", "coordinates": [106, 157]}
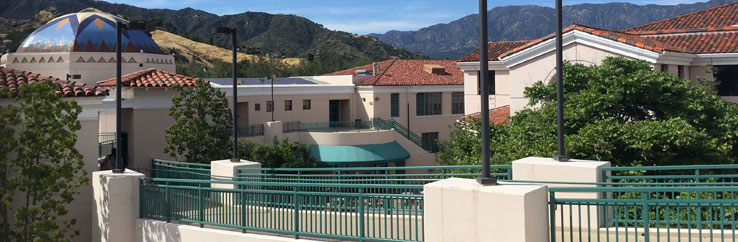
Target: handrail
{"type": "Point", "coordinates": [676, 167]}
{"type": "Point", "coordinates": [181, 163]}
{"type": "Point", "coordinates": [377, 168]}
{"type": "Point", "coordinates": [290, 184]}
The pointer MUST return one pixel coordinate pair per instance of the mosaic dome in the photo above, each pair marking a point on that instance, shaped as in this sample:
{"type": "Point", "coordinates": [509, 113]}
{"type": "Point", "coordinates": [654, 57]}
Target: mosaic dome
{"type": "Point", "coordinates": [86, 32]}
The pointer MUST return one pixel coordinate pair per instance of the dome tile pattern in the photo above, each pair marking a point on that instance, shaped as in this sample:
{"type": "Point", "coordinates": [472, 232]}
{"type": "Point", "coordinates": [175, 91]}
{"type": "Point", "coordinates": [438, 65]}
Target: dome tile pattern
{"type": "Point", "coordinates": [86, 32]}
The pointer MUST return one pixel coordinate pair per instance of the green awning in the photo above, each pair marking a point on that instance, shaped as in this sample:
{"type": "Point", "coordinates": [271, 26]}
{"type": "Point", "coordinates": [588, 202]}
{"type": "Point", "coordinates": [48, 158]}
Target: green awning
{"type": "Point", "coordinates": [347, 155]}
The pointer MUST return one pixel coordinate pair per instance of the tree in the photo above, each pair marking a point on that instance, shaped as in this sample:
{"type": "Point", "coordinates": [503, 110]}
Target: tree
{"type": "Point", "coordinates": [202, 126]}
{"type": "Point", "coordinates": [282, 153]}
{"type": "Point", "coordinates": [46, 171]}
{"type": "Point", "coordinates": [620, 111]}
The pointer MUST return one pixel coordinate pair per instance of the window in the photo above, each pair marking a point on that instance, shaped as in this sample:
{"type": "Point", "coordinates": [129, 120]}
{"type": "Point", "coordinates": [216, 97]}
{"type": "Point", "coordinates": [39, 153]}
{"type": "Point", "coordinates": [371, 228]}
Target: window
{"type": "Point", "coordinates": [680, 71]}
{"type": "Point", "coordinates": [395, 104]}
{"type": "Point", "coordinates": [270, 106]}
{"type": "Point", "coordinates": [306, 104]}
{"type": "Point", "coordinates": [727, 78]}
{"type": "Point", "coordinates": [257, 106]}
{"type": "Point", "coordinates": [287, 105]}
{"type": "Point", "coordinates": [428, 103]}
{"type": "Point", "coordinates": [491, 82]}
{"type": "Point", "coordinates": [457, 103]}
{"type": "Point", "coordinates": [430, 141]}
{"type": "Point", "coordinates": [664, 68]}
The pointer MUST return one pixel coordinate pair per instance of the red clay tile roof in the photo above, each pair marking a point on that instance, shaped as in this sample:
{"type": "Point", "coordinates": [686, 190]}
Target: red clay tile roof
{"type": "Point", "coordinates": [151, 78]}
{"type": "Point", "coordinates": [494, 50]}
{"type": "Point", "coordinates": [381, 66]}
{"type": "Point", "coordinates": [701, 43]}
{"type": "Point", "coordinates": [629, 39]}
{"type": "Point", "coordinates": [411, 73]}
{"type": "Point", "coordinates": [712, 19]}
{"type": "Point", "coordinates": [12, 79]}
{"type": "Point", "coordinates": [497, 115]}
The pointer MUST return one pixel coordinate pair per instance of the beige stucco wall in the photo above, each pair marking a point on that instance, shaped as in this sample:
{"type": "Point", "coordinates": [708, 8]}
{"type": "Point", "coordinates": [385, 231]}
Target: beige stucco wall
{"type": "Point", "coordinates": [501, 97]}
{"type": "Point", "coordinates": [318, 107]}
{"type": "Point", "coordinates": [80, 206]}
{"type": "Point", "coordinates": [378, 104]}
{"type": "Point", "coordinates": [347, 138]}
{"type": "Point", "coordinates": [91, 73]}
{"type": "Point", "coordinates": [542, 68]}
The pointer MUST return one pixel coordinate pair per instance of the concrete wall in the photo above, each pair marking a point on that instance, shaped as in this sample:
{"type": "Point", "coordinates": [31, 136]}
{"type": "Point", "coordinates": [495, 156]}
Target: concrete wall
{"type": "Point", "coordinates": [318, 107]}
{"type": "Point", "coordinates": [158, 231]}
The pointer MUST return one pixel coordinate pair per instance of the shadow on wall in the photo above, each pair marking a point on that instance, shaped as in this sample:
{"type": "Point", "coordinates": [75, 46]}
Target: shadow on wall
{"type": "Point", "coordinates": [157, 233]}
{"type": "Point", "coordinates": [102, 210]}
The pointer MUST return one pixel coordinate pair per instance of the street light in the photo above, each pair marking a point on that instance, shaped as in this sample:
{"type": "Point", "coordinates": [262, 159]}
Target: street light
{"type": "Point", "coordinates": [485, 178]}
{"type": "Point", "coordinates": [561, 155]}
{"type": "Point", "coordinates": [232, 31]}
{"type": "Point", "coordinates": [118, 138]}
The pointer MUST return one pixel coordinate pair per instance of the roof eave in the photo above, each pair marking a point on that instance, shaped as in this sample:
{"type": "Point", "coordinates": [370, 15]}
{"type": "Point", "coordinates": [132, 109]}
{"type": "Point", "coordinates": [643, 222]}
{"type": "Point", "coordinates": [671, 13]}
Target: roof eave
{"type": "Point", "coordinates": [576, 36]}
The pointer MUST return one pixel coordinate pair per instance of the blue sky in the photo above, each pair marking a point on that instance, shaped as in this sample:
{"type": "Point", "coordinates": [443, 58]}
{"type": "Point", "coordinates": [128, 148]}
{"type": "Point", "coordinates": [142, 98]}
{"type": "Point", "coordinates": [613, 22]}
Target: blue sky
{"type": "Point", "coordinates": [361, 17]}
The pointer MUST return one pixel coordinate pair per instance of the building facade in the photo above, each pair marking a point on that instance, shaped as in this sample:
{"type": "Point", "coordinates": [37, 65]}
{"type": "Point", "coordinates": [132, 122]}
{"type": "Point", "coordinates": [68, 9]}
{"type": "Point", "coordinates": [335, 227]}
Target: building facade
{"type": "Point", "coordinates": [684, 46]}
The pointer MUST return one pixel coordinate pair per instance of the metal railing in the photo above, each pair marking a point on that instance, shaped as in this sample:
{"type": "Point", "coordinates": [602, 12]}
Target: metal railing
{"type": "Point", "coordinates": [179, 170]}
{"type": "Point", "coordinates": [417, 175]}
{"type": "Point", "coordinates": [358, 126]}
{"type": "Point", "coordinates": [727, 173]}
{"type": "Point", "coordinates": [374, 125]}
{"type": "Point", "coordinates": [251, 130]}
{"type": "Point", "coordinates": [696, 213]}
{"type": "Point", "coordinates": [359, 215]}
{"type": "Point", "coordinates": [105, 144]}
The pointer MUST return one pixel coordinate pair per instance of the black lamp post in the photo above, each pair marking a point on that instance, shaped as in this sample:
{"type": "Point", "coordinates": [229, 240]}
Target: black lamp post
{"type": "Point", "coordinates": [561, 155]}
{"type": "Point", "coordinates": [118, 138]}
{"type": "Point", "coordinates": [486, 178]}
{"type": "Point", "coordinates": [232, 31]}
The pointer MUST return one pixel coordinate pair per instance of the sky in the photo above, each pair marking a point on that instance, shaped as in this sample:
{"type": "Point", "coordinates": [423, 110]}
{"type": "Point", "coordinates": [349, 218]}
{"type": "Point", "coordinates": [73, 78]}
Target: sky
{"type": "Point", "coordinates": [362, 17]}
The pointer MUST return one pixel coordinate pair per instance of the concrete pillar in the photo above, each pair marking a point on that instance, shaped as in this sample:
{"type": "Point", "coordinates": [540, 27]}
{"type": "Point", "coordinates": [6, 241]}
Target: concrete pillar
{"type": "Point", "coordinates": [222, 170]}
{"type": "Point", "coordinates": [548, 169]}
{"type": "Point", "coordinates": [115, 205]}
{"type": "Point", "coordinates": [271, 129]}
{"type": "Point", "coordinates": [463, 210]}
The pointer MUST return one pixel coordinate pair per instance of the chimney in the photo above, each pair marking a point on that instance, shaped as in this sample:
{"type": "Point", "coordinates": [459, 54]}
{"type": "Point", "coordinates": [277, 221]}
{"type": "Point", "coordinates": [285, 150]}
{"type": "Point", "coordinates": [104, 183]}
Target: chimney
{"type": "Point", "coordinates": [374, 68]}
{"type": "Point", "coordinates": [434, 69]}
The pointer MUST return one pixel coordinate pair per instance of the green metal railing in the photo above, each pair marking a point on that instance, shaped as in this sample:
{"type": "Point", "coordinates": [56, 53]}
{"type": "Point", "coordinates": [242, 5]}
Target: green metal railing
{"type": "Point", "coordinates": [358, 126]}
{"type": "Point", "coordinates": [105, 144]}
{"type": "Point", "coordinates": [179, 170]}
{"type": "Point", "coordinates": [359, 215]}
{"type": "Point", "coordinates": [251, 130]}
{"type": "Point", "coordinates": [727, 173]}
{"type": "Point", "coordinates": [405, 132]}
{"type": "Point", "coordinates": [696, 213]}
{"type": "Point", "coordinates": [417, 175]}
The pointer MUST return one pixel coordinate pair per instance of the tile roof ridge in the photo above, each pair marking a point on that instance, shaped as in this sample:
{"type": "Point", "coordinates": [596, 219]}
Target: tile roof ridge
{"type": "Point", "coordinates": [632, 30]}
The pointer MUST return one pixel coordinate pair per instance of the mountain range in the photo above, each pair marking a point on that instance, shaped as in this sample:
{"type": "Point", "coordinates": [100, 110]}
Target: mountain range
{"type": "Point", "coordinates": [275, 35]}
{"type": "Point", "coordinates": [457, 38]}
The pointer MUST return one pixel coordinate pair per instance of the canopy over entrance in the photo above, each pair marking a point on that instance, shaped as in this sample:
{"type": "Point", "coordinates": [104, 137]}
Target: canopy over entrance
{"type": "Point", "coordinates": [351, 155]}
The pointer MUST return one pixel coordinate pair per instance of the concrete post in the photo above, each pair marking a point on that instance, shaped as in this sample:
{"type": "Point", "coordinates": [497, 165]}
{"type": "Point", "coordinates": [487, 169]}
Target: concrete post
{"type": "Point", "coordinates": [116, 205]}
{"type": "Point", "coordinates": [548, 169]}
{"type": "Point", "coordinates": [222, 170]}
{"type": "Point", "coordinates": [463, 210]}
{"type": "Point", "coordinates": [271, 129]}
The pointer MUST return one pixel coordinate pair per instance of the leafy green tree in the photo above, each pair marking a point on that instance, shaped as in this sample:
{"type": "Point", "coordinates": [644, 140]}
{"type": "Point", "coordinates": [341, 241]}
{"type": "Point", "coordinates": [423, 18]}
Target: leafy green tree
{"type": "Point", "coordinates": [202, 126]}
{"type": "Point", "coordinates": [45, 171]}
{"type": "Point", "coordinates": [282, 153]}
{"type": "Point", "coordinates": [620, 111]}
